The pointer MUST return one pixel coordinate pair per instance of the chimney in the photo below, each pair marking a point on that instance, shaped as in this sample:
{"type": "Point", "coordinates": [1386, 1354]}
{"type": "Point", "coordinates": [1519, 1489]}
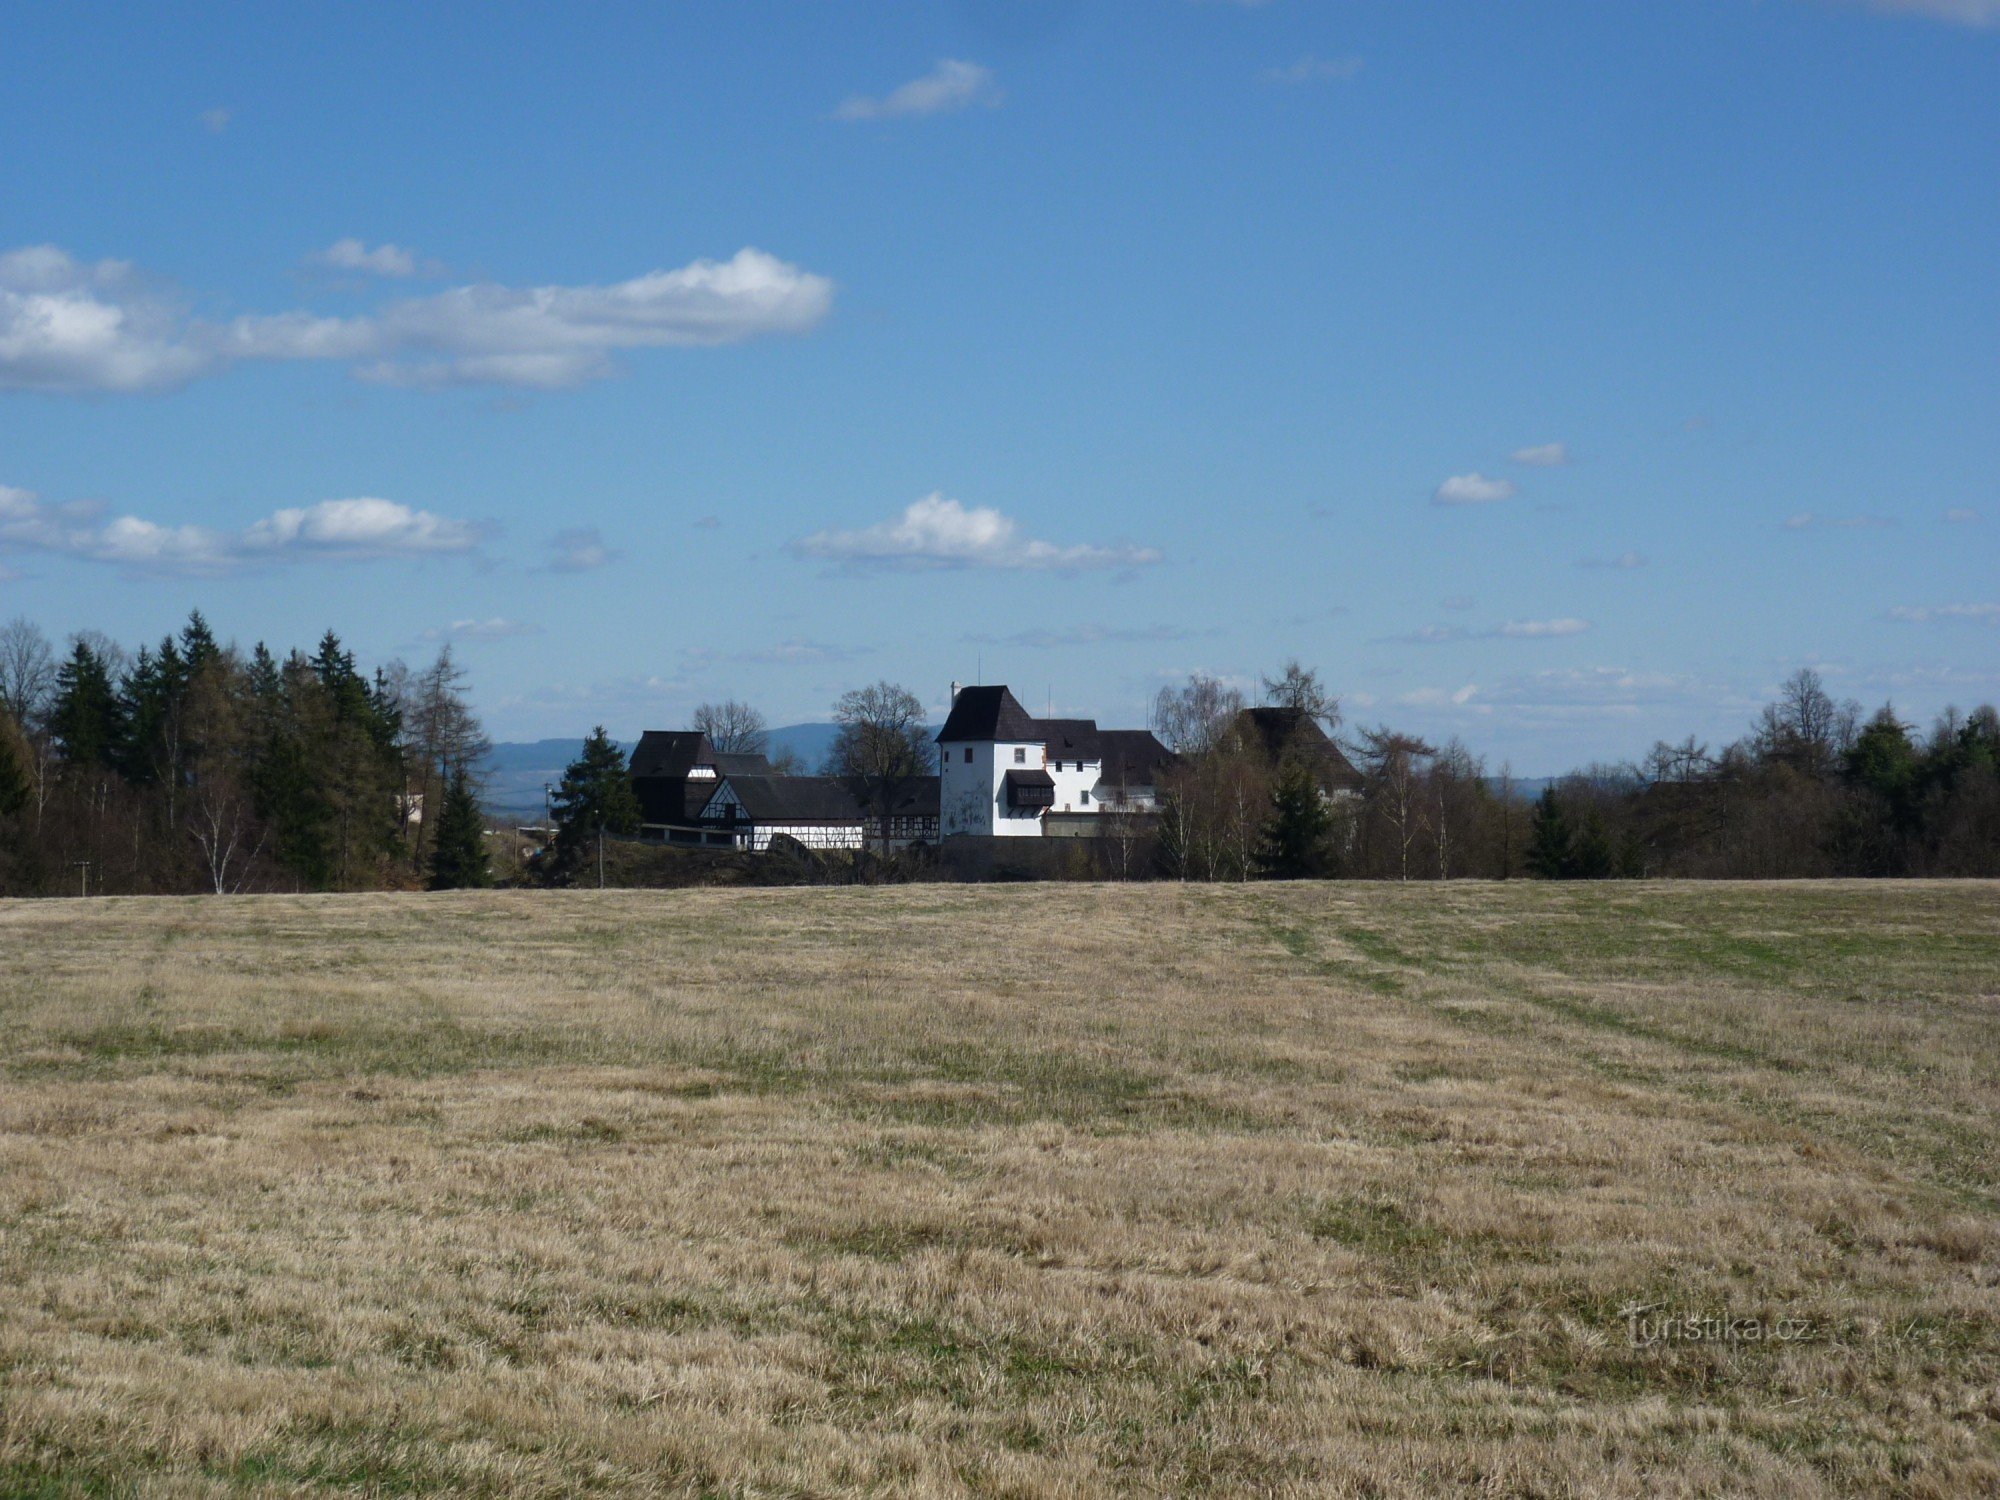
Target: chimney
{"type": "Point", "coordinates": [954, 692]}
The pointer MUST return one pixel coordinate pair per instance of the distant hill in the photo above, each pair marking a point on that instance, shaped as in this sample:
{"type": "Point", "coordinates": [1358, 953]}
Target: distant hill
{"type": "Point", "coordinates": [517, 770]}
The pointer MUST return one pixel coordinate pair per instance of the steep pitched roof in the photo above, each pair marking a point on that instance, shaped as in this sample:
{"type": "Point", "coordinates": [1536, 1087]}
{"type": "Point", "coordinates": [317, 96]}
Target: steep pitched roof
{"type": "Point", "coordinates": [1133, 757]}
{"type": "Point", "coordinates": [671, 752]}
{"type": "Point", "coordinates": [1282, 731]}
{"type": "Point", "coordinates": [988, 713]}
{"type": "Point", "coordinates": [1070, 739]}
{"type": "Point", "coordinates": [794, 799]}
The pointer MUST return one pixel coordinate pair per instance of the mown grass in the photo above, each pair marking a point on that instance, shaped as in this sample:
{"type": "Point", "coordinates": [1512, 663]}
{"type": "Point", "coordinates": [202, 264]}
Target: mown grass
{"type": "Point", "coordinates": [1022, 1191]}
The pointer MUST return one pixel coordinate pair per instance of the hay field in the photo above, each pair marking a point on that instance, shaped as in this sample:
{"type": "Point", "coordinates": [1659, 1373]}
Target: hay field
{"type": "Point", "coordinates": [1035, 1191]}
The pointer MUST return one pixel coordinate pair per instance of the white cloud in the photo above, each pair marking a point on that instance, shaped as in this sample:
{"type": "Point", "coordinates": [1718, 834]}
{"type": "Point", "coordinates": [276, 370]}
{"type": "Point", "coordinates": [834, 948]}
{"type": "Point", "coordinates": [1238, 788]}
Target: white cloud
{"type": "Point", "coordinates": [384, 260]}
{"type": "Point", "coordinates": [1543, 456]}
{"type": "Point", "coordinates": [1309, 69]}
{"type": "Point", "coordinates": [579, 550]}
{"type": "Point", "coordinates": [952, 85]}
{"type": "Point", "coordinates": [497, 628]}
{"type": "Point", "coordinates": [1540, 629]}
{"type": "Point", "coordinates": [1961, 516]}
{"type": "Point", "coordinates": [1624, 560]}
{"type": "Point", "coordinates": [70, 326]}
{"type": "Point", "coordinates": [1473, 489]}
{"type": "Point", "coordinates": [329, 529]}
{"type": "Point", "coordinates": [1988, 614]}
{"type": "Point", "coordinates": [215, 121]}
{"type": "Point", "coordinates": [935, 532]}
{"type": "Point", "coordinates": [67, 326]}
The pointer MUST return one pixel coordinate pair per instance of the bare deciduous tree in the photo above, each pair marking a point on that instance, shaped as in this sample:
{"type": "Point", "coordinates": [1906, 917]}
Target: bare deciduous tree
{"type": "Point", "coordinates": [1192, 719]}
{"type": "Point", "coordinates": [1298, 688]}
{"type": "Point", "coordinates": [883, 746]}
{"type": "Point", "coordinates": [221, 811]}
{"type": "Point", "coordinates": [734, 728]}
{"type": "Point", "coordinates": [27, 670]}
{"type": "Point", "coordinates": [1392, 764]}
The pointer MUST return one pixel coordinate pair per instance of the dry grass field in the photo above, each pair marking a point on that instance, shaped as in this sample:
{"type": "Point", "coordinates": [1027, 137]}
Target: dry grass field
{"type": "Point", "coordinates": [1056, 1191]}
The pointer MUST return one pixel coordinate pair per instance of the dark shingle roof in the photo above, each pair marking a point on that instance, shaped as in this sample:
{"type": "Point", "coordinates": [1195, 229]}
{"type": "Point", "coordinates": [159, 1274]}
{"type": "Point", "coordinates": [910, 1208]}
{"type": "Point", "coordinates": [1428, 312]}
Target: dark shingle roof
{"type": "Point", "coordinates": [1282, 731]}
{"type": "Point", "coordinates": [988, 713]}
{"type": "Point", "coordinates": [918, 798]}
{"type": "Point", "coordinates": [1132, 757]}
{"type": "Point", "coordinates": [730, 763]}
{"type": "Point", "coordinates": [671, 752]}
{"type": "Point", "coordinates": [1070, 739]}
{"type": "Point", "coordinates": [795, 799]}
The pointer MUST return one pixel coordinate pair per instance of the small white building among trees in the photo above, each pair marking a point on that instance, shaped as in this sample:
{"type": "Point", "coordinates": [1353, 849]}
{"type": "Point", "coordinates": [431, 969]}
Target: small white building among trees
{"type": "Point", "coordinates": [1003, 773]}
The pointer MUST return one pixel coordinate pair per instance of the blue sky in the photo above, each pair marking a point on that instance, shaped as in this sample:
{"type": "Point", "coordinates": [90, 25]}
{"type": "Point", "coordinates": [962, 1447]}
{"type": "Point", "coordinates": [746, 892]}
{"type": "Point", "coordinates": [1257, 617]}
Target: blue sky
{"type": "Point", "coordinates": [1560, 376]}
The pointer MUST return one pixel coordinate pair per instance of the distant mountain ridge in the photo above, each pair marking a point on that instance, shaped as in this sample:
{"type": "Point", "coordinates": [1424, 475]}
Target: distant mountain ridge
{"type": "Point", "coordinates": [516, 771]}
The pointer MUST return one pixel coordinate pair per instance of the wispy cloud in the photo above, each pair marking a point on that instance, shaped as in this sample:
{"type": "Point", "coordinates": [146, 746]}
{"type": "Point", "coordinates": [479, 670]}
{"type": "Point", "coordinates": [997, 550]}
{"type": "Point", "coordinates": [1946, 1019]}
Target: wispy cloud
{"type": "Point", "coordinates": [1983, 614]}
{"type": "Point", "coordinates": [1474, 489]}
{"type": "Point", "coordinates": [1542, 456]}
{"type": "Point", "coordinates": [69, 326]}
{"type": "Point", "coordinates": [792, 652]}
{"type": "Point", "coordinates": [215, 120]}
{"type": "Point", "coordinates": [496, 628]}
{"type": "Point", "coordinates": [393, 261]}
{"type": "Point", "coordinates": [1088, 635]}
{"type": "Point", "coordinates": [1310, 69]}
{"type": "Point", "coordinates": [1625, 561]}
{"type": "Point", "coordinates": [936, 532]}
{"type": "Point", "coordinates": [1513, 630]}
{"type": "Point", "coordinates": [1978, 13]}
{"type": "Point", "coordinates": [579, 550]}
{"type": "Point", "coordinates": [342, 530]}
{"type": "Point", "coordinates": [1806, 520]}
{"type": "Point", "coordinates": [1960, 515]}
{"type": "Point", "coordinates": [950, 86]}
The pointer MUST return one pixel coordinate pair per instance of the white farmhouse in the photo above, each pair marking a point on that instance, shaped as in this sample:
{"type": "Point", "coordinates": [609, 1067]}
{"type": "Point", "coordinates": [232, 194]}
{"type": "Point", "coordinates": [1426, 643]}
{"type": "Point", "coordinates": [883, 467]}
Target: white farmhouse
{"type": "Point", "coordinates": [1006, 774]}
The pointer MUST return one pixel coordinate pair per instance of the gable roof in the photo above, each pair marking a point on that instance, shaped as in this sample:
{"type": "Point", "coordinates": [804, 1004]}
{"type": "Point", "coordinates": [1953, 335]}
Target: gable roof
{"type": "Point", "coordinates": [988, 713]}
{"type": "Point", "coordinates": [1133, 757]}
{"type": "Point", "coordinates": [1070, 739]}
{"type": "Point", "coordinates": [793, 799]}
{"type": "Point", "coordinates": [671, 752]}
{"type": "Point", "coordinates": [1281, 731]}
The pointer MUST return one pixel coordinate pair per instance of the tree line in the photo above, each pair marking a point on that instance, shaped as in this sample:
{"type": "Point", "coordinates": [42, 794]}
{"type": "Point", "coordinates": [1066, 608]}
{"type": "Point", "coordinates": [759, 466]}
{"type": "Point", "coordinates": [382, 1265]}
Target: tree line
{"type": "Point", "coordinates": [192, 766]}
{"type": "Point", "coordinates": [1813, 789]}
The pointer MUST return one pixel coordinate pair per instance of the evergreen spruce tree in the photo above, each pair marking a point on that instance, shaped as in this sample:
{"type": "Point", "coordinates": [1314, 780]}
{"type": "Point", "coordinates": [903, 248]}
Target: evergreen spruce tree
{"type": "Point", "coordinates": [1551, 840]}
{"type": "Point", "coordinates": [595, 797]}
{"type": "Point", "coordinates": [458, 850]}
{"type": "Point", "coordinates": [1591, 856]}
{"type": "Point", "coordinates": [14, 788]}
{"type": "Point", "coordinates": [87, 720]}
{"type": "Point", "coordinates": [198, 645]}
{"type": "Point", "coordinates": [1297, 842]}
